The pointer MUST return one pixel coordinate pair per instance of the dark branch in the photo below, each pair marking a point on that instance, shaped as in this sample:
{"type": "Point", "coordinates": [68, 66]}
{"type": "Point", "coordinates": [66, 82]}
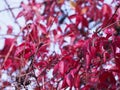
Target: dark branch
{"type": "Point", "coordinates": [12, 13]}
{"type": "Point", "coordinates": [7, 9]}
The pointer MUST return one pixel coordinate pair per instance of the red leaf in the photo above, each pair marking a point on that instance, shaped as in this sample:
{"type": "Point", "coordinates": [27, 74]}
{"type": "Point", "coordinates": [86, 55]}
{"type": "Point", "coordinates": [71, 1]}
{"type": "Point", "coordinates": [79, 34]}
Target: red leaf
{"type": "Point", "coordinates": [69, 79]}
{"type": "Point", "coordinates": [37, 88]}
{"type": "Point", "coordinates": [79, 44]}
{"type": "Point", "coordinates": [56, 67]}
{"type": "Point", "coordinates": [25, 49]}
{"type": "Point", "coordinates": [64, 84]}
{"type": "Point", "coordinates": [73, 72]}
{"type": "Point", "coordinates": [59, 29]}
{"type": "Point", "coordinates": [77, 81]}
{"type": "Point", "coordinates": [72, 16]}
{"type": "Point", "coordinates": [42, 64]}
{"type": "Point", "coordinates": [84, 22]}
{"type": "Point", "coordinates": [93, 52]}
{"type": "Point", "coordinates": [86, 87]}
{"type": "Point", "coordinates": [43, 28]}
{"type": "Point", "coordinates": [10, 29]}
{"type": "Point", "coordinates": [117, 41]}
{"type": "Point", "coordinates": [7, 63]}
{"type": "Point", "coordinates": [8, 43]}
{"type": "Point", "coordinates": [54, 32]}
{"type": "Point", "coordinates": [43, 48]}
{"type": "Point", "coordinates": [107, 77]}
{"type": "Point", "coordinates": [6, 83]}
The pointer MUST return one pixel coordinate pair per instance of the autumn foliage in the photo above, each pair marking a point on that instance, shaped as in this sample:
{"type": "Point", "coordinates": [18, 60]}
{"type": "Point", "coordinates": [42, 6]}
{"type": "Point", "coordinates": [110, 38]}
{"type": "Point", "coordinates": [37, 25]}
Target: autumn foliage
{"type": "Point", "coordinates": [66, 44]}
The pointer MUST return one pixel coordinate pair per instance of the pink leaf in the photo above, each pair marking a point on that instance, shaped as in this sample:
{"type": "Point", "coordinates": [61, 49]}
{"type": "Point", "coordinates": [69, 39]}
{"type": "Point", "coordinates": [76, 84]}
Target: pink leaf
{"type": "Point", "coordinates": [61, 67]}
{"type": "Point", "coordinates": [20, 14]}
{"type": "Point", "coordinates": [87, 61]}
{"type": "Point", "coordinates": [109, 31]}
{"type": "Point", "coordinates": [106, 9]}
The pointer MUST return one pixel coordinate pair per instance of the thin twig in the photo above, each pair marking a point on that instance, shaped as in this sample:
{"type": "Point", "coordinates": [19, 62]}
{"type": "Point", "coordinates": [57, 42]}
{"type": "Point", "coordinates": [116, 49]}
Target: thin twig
{"type": "Point", "coordinates": [7, 9]}
{"type": "Point", "coordinates": [3, 56]}
{"type": "Point", "coordinates": [36, 78]}
{"type": "Point", "coordinates": [109, 25]}
{"type": "Point", "coordinates": [12, 13]}
{"type": "Point", "coordinates": [8, 54]}
{"type": "Point", "coordinates": [109, 20]}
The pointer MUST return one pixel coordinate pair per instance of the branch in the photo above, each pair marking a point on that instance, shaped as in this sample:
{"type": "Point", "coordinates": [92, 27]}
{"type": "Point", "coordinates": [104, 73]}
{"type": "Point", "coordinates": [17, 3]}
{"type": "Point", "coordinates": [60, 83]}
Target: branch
{"type": "Point", "coordinates": [109, 21]}
{"type": "Point", "coordinates": [7, 9]}
{"type": "Point", "coordinates": [36, 78]}
{"type": "Point", "coordinates": [12, 13]}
